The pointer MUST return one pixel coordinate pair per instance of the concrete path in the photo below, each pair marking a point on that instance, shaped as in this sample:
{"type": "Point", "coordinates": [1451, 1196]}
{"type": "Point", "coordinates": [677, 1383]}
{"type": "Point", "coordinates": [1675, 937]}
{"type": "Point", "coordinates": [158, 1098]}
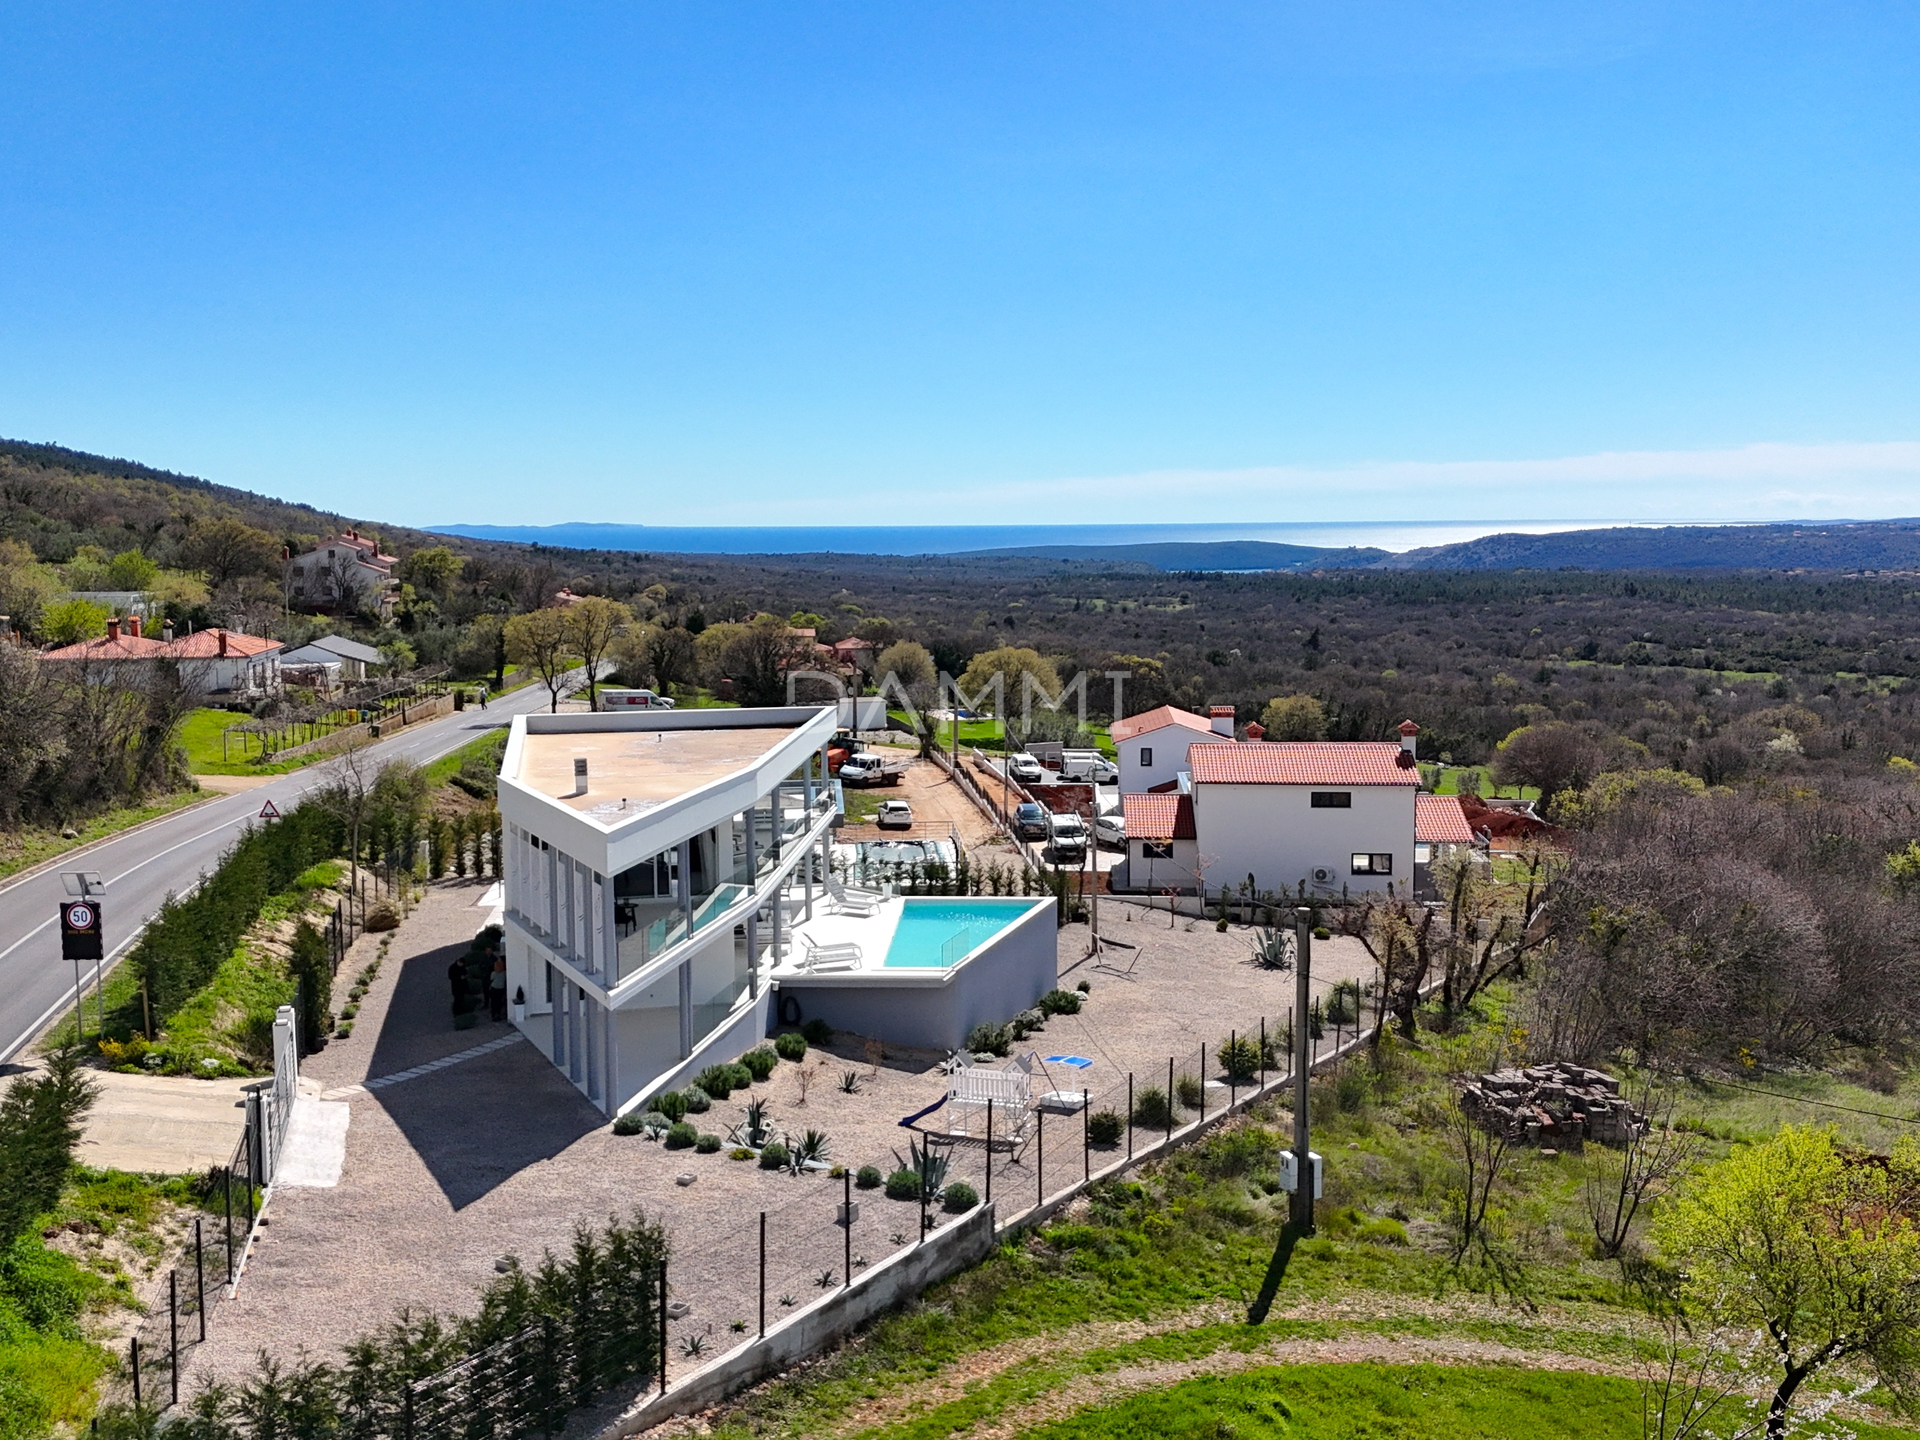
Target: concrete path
{"type": "Point", "coordinates": [163, 1124]}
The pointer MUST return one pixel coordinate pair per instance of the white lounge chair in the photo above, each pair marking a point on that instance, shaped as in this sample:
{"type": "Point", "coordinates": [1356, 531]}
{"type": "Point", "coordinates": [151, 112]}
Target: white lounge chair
{"type": "Point", "coordinates": [821, 959]}
{"type": "Point", "coordinates": [853, 902]}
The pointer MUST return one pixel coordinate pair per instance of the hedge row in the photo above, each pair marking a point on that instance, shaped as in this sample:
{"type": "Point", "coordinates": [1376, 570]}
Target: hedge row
{"type": "Point", "coordinates": [189, 938]}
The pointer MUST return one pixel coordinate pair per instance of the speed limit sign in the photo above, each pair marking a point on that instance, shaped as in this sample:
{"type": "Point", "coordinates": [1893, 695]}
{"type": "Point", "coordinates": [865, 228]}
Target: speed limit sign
{"type": "Point", "coordinates": [80, 930]}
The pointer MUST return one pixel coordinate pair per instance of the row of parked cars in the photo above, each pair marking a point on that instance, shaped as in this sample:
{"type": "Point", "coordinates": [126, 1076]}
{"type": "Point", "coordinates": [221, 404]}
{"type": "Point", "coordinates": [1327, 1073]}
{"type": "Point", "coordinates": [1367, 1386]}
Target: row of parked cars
{"type": "Point", "coordinates": [1065, 833]}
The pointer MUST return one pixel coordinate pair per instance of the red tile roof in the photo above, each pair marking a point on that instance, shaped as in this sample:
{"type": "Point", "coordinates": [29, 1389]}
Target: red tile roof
{"type": "Point", "coordinates": [1158, 817]}
{"type": "Point", "coordinates": [1439, 820]}
{"type": "Point", "coordinates": [121, 647]}
{"type": "Point", "coordinates": [1301, 762]}
{"type": "Point", "coordinates": [205, 645]}
{"type": "Point", "coordinates": [1166, 715]}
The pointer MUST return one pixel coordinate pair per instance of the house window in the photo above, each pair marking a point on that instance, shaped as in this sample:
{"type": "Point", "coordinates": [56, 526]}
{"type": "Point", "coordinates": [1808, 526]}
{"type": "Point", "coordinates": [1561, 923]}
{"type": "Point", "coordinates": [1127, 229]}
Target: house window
{"type": "Point", "coordinates": [1373, 864]}
{"type": "Point", "coordinates": [1156, 850]}
{"type": "Point", "coordinates": [1146, 756]}
{"type": "Point", "coordinates": [1331, 800]}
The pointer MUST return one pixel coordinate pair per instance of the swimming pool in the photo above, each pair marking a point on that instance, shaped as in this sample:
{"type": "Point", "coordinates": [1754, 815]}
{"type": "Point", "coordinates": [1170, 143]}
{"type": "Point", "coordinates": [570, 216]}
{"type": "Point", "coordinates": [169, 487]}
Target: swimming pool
{"type": "Point", "coordinates": [937, 934]}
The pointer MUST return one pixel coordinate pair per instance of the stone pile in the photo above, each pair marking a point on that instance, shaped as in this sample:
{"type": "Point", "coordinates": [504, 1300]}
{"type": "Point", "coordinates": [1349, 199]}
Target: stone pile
{"type": "Point", "coordinates": [1554, 1104]}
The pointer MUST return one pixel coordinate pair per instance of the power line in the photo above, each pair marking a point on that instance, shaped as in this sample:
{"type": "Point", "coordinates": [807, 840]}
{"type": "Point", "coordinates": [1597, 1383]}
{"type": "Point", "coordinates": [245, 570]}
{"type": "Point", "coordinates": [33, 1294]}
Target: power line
{"type": "Point", "coordinates": [1824, 1104]}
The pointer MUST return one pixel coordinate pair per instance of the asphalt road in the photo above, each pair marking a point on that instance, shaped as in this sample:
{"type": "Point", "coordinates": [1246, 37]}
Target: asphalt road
{"type": "Point", "coordinates": [168, 856]}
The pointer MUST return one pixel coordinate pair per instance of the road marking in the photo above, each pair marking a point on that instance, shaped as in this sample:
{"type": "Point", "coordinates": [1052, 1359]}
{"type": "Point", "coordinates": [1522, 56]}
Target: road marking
{"type": "Point", "coordinates": [344, 1092]}
{"type": "Point", "coordinates": [72, 993]}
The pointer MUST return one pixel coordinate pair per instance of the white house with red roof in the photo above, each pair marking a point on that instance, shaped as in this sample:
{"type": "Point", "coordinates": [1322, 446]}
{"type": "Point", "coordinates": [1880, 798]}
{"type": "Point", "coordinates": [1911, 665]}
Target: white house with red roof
{"type": "Point", "coordinates": [344, 572]}
{"type": "Point", "coordinates": [1153, 745]}
{"type": "Point", "coordinates": [215, 662]}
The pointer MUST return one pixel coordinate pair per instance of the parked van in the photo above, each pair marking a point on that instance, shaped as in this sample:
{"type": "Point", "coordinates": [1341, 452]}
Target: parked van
{"type": "Point", "coordinates": [868, 768]}
{"type": "Point", "coordinates": [633, 700]}
{"type": "Point", "coordinates": [1068, 837]}
{"type": "Point", "coordinates": [1088, 766]}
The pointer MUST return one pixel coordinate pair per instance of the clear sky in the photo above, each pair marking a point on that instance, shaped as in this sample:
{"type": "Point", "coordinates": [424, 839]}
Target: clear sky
{"type": "Point", "coordinates": [708, 263]}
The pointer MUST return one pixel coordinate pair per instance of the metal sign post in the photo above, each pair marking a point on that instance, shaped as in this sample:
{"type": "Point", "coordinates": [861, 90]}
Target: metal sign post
{"type": "Point", "coordinates": [81, 931]}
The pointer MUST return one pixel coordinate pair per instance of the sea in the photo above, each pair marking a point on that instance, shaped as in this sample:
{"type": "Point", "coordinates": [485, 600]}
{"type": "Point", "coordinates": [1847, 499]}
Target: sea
{"type": "Point", "coordinates": [1396, 536]}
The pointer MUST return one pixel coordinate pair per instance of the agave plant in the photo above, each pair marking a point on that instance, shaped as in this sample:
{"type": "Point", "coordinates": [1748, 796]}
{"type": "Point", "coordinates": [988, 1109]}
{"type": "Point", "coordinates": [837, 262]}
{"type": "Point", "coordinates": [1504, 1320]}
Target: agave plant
{"type": "Point", "coordinates": [754, 1131]}
{"type": "Point", "coordinates": [810, 1146]}
{"type": "Point", "coordinates": [850, 1082]}
{"type": "Point", "coordinates": [1273, 949]}
{"type": "Point", "coordinates": [930, 1167]}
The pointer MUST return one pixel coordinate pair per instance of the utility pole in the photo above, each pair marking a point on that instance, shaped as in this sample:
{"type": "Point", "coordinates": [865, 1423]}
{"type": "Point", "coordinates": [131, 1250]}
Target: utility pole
{"type": "Point", "coordinates": [1300, 1213]}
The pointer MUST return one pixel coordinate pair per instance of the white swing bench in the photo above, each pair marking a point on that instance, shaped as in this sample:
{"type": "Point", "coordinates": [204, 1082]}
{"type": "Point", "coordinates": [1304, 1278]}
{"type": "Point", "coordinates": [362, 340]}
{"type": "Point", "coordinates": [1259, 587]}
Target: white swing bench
{"type": "Point", "coordinates": [1009, 1091]}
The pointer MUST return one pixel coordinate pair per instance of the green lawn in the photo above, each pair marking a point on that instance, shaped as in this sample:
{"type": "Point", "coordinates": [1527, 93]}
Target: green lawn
{"type": "Point", "coordinates": [200, 734]}
{"type": "Point", "coordinates": [487, 747]}
{"type": "Point", "coordinates": [1450, 783]}
{"type": "Point", "coordinates": [26, 846]}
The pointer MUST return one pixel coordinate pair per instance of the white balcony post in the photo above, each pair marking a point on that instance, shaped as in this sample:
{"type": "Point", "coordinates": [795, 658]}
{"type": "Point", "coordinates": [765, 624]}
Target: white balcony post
{"type": "Point", "coordinates": [686, 1007]}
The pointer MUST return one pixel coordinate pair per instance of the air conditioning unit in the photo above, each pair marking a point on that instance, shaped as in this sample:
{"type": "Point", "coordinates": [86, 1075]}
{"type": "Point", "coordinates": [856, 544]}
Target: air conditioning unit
{"type": "Point", "coordinates": [1325, 875]}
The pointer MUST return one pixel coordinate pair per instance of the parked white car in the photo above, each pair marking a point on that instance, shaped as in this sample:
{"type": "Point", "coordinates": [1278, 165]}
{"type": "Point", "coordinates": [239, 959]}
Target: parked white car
{"type": "Point", "coordinates": [894, 815]}
{"type": "Point", "coordinates": [1026, 769]}
{"type": "Point", "coordinates": [1110, 829]}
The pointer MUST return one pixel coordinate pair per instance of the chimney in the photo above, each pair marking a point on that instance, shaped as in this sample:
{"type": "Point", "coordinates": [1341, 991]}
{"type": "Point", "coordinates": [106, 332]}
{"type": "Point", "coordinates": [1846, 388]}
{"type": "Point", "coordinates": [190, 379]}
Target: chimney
{"type": "Point", "coordinates": [223, 640]}
{"type": "Point", "coordinates": [1407, 731]}
{"type": "Point", "coordinates": [579, 775]}
{"type": "Point", "coordinates": [133, 624]}
{"type": "Point", "coordinates": [1222, 716]}
{"type": "Point", "coordinates": [113, 630]}
{"type": "Point", "coordinates": [1256, 731]}
{"type": "Point", "coordinates": [166, 632]}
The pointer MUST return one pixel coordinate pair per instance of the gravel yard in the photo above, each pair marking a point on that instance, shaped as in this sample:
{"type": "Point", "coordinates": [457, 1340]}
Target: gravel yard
{"type": "Point", "coordinates": [498, 1154]}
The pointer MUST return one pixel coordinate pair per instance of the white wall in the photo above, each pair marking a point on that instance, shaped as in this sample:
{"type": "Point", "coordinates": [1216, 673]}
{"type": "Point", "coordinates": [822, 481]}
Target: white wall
{"type": "Point", "coordinates": [1272, 833]}
{"type": "Point", "coordinates": [1144, 873]}
{"type": "Point", "coordinates": [1169, 746]}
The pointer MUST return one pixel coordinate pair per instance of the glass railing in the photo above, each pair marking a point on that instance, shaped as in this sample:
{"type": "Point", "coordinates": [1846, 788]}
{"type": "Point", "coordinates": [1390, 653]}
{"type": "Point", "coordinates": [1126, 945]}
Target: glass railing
{"type": "Point", "coordinates": [640, 945]}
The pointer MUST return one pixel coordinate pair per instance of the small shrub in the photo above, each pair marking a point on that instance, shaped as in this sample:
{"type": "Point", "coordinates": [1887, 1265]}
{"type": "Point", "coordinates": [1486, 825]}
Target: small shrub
{"type": "Point", "coordinates": [1085, 987]}
{"type": "Point", "coordinates": [989, 1040]}
{"type": "Point", "coordinates": [1026, 1022]}
{"type": "Point", "coordinates": [1190, 1091]}
{"type": "Point", "coordinates": [1104, 1126]}
{"type": "Point", "coordinates": [682, 1136]}
{"type": "Point", "coordinates": [346, 1029]}
{"type": "Point", "coordinates": [1240, 1058]}
{"type": "Point", "coordinates": [790, 1046]}
{"type": "Point", "coordinates": [760, 1062]}
{"type": "Point", "coordinates": [707, 1144]}
{"type": "Point", "coordinates": [959, 1197]}
{"type": "Point", "coordinates": [850, 1082]}
{"type": "Point", "coordinates": [817, 1032]}
{"type": "Point", "coordinates": [1060, 1002]}
{"type": "Point", "coordinates": [1383, 1231]}
{"type": "Point", "coordinates": [670, 1103]}
{"type": "Point", "coordinates": [1352, 1088]}
{"type": "Point", "coordinates": [628, 1124]}
{"type": "Point", "coordinates": [698, 1101]}
{"type": "Point", "coordinates": [868, 1177]}
{"type": "Point", "coordinates": [1151, 1111]}
{"type": "Point", "coordinates": [739, 1152]}
{"type": "Point", "coordinates": [773, 1156]}
{"type": "Point", "coordinates": [1221, 924]}
{"type": "Point", "coordinates": [903, 1184]}
{"type": "Point", "coordinates": [1320, 932]}
{"type": "Point", "coordinates": [717, 1081]}
{"type": "Point", "coordinates": [740, 1075]}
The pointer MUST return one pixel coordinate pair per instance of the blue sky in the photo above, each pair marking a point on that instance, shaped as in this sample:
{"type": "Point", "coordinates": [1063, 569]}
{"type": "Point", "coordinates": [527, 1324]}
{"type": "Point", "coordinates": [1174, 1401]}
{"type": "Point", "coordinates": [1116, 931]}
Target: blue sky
{"type": "Point", "coordinates": [722, 263]}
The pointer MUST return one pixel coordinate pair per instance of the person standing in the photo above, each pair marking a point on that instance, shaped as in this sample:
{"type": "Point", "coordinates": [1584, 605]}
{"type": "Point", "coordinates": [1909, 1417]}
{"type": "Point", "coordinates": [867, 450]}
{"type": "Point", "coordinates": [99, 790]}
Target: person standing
{"type": "Point", "coordinates": [497, 989]}
{"type": "Point", "coordinates": [457, 979]}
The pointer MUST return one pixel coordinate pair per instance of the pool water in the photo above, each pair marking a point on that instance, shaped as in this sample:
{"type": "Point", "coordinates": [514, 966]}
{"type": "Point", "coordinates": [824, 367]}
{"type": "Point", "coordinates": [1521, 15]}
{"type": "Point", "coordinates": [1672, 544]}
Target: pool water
{"type": "Point", "coordinates": [934, 934]}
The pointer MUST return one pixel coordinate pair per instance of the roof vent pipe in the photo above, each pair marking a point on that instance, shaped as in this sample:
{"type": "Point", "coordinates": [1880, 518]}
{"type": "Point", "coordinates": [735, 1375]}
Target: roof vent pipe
{"type": "Point", "coordinates": [579, 775]}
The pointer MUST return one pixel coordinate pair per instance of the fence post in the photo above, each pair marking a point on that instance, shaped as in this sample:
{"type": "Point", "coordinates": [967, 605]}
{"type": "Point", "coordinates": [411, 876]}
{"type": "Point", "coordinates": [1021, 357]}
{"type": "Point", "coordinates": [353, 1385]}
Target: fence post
{"type": "Point", "coordinates": [1170, 1097]}
{"type": "Point", "coordinates": [663, 1308]}
{"type": "Point", "coordinates": [1040, 1153]}
{"type": "Point", "coordinates": [1129, 1115]}
{"type": "Point", "coordinates": [763, 1281]}
{"type": "Point", "coordinates": [846, 1186]}
{"type": "Point", "coordinates": [173, 1333]}
{"type": "Point", "coordinates": [1233, 1085]}
{"type": "Point", "coordinates": [1203, 1081]}
{"type": "Point", "coordinates": [228, 1187]}
{"type": "Point", "coordinates": [1086, 1135]}
{"type": "Point", "coordinates": [199, 1278]}
{"type": "Point", "coordinates": [133, 1352]}
{"type": "Point", "coordinates": [1263, 1054]}
{"type": "Point", "coordinates": [989, 1150]}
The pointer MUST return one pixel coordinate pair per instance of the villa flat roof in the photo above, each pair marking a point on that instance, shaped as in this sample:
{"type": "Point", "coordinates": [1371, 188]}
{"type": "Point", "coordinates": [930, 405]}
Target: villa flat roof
{"type": "Point", "coordinates": [644, 767]}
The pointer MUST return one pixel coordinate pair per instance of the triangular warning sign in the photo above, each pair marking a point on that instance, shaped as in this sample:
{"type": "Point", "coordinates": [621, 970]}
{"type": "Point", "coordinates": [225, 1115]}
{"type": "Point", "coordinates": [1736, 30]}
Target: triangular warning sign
{"type": "Point", "coordinates": [269, 812]}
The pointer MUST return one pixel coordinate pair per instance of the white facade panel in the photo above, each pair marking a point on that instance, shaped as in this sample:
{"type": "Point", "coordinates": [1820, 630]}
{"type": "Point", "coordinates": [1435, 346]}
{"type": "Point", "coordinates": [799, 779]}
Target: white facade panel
{"type": "Point", "coordinates": [1273, 833]}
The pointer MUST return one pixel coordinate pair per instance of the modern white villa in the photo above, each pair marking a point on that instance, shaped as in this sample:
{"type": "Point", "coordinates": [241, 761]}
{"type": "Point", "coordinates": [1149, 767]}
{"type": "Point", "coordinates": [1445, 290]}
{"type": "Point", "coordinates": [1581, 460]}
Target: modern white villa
{"type": "Point", "coordinates": [667, 902]}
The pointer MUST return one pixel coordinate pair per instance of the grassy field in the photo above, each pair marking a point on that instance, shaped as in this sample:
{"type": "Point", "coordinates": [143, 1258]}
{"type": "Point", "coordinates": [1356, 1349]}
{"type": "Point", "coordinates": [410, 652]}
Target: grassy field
{"type": "Point", "coordinates": [25, 846]}
{"type": "Point", "coordinates": [200, 734]}
{"type": "Point", "coordinates": [1126, 1315]}
{"type": "Point", "coordinates": [483, 751]}
{"type": "Point", "coordinates": [1449, 783]}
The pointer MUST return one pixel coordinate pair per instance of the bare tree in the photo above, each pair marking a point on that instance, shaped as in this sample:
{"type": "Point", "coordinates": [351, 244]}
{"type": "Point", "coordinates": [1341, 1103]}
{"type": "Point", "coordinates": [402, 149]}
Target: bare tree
{"type": "Point", "coordinates": [591, 628]}
{"type": "Point", "coordinates": [1480, 1154]}
{"type": "Point", "coordinates": [539, 641]}
{"type": "Point", "coordinates": [1690, 1384]}
{"type": "Point", "coordinates": [1622, 1182]}
{"type": "Point", "coordinates": [1487, 937]}
{"type": "Point", "coordinates": [347, 792]}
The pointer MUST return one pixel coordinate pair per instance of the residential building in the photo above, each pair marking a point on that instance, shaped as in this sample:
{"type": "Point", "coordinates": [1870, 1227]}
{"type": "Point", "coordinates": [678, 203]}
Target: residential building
{"type": "Point", "coordinates": [1153, 745]}
{"type": "Point", "coordinates": [345, 572]}
{"type": "Point", "coordinates": [223, 664]}
{"type": "Point", "coordinates": [1163, 849]}
{"type": "Point", "coordinates": [655, 864]}
{"type": "Point", "coordinates": [1440, 832]}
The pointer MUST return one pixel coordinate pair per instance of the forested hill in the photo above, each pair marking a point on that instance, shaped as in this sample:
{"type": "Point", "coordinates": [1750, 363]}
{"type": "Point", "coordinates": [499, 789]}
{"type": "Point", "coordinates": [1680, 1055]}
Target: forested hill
{"type": "Point", "coordinates": [1855, 546]}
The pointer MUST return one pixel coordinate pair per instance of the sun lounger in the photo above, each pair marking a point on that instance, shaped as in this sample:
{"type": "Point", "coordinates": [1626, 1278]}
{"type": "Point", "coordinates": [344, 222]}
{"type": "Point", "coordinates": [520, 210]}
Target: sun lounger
{"type": "Point", "coordinates": [853, 902]}
{"type": "Point", "coordinates": [822, 959]}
